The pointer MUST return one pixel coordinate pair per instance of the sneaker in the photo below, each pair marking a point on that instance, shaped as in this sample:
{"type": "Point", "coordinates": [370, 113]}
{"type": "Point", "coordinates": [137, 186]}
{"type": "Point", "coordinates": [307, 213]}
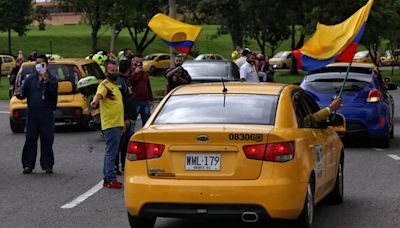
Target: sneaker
{"type": "Point", "coordinates": [27, 170]}
{"type": "Point", "coordinates": [112, 184]}
{"type": "Point", "coordinates": [49, 171]}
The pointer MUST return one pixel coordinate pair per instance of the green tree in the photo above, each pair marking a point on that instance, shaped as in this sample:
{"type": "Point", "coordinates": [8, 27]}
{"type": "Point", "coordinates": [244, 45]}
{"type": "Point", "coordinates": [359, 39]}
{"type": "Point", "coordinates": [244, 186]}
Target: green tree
{"type": "Point", "coordinates": [95, 12]}
{"type": "Point", "coordinates": [134, 15]}
{"type": "Point", "coordinates": [40, 16]}
{"type": "Point", "coordinates": [15, 15]}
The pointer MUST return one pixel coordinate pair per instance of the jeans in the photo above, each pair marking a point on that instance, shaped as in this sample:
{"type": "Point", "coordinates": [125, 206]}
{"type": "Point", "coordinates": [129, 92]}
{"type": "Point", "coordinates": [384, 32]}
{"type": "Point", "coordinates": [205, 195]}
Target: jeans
{"type": "Point", "coordinates": [123, 146]}
{"type": "Point", "coordinates": [112, 137]}
{"type": "Point", "coordinates": [143, 108]}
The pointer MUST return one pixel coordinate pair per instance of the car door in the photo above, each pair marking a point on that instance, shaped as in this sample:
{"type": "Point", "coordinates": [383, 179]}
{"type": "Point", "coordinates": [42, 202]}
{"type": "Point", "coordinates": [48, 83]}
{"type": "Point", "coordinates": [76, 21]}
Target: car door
{"type": "Point", "coordinates": [7, 65]}
{"type": "Point", "coordinates": [328, 142]}
{"type": "Point", "coordinates": [163, 61]}
{"type": "Point", "coordinates": [313, 139]}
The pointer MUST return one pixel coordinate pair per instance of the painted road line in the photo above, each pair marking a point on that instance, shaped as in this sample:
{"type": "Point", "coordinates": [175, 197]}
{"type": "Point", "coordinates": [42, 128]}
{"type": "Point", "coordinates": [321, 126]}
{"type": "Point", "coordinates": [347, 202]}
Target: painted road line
{"type": "Point", "coordinates": [4, 112]}
{"type": "Point", "coordinates": [84, 196]}
{"type": "Point", "coordinates": [395, 157]}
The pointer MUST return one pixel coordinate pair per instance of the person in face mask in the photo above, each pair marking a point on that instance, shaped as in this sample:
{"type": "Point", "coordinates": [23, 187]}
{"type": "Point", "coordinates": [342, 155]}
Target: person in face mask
{"type": "Point", "coordinates": [248, 72]}
{"type": "Point", "coordinates": [109, 97]}
{"type": "Point", "coordinates": [40, 89]}
{"type": "Point", "coordinates": [177, 76]}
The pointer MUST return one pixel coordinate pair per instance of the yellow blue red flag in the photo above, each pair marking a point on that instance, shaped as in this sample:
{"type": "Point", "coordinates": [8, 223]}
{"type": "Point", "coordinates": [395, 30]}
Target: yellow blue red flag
{"type": "Point", "coordinates": [176, 34]}
{"type": "Point", "coordinates": [332, 43]}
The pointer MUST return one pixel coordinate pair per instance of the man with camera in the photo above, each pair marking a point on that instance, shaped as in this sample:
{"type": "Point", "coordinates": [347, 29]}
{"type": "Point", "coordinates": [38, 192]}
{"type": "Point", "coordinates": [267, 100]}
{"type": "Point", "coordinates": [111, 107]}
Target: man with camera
{"type": "Point", "coordinates": [141, 85]}
{"type": "Point", "coordinates": [177, 76]}
{"type": "Point", "coordinates": [40, 89]}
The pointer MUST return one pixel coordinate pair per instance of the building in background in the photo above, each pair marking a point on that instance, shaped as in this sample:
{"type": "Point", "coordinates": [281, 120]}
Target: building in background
{"type": "Point", "coordinates": [60, 15]}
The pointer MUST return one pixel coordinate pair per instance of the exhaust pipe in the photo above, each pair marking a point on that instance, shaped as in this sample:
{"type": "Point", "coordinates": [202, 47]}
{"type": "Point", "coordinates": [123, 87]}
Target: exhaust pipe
{"type": "Point", "coordinates": [249, 217]}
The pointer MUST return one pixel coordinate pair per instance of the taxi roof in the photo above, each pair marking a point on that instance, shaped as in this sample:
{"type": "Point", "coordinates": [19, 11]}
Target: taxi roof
{"type": "Point", "coordinates": [64, 61]}
{"type": "Point", "coordinates": [342, 64]}
{"type": "Point", "coordinates": [232, 87]}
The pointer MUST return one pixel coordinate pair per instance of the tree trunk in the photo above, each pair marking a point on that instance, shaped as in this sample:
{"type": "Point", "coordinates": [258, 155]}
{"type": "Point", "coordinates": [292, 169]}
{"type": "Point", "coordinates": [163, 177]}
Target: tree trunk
{"type": "Point", "coordinates": [94, 40]}
{"type": "Point", "coordinates": [172, 13]}
{"type": "Point", "coordinates": [113, 37]}
{"type": "Point", "coordinates": [96, 25]}
{"type": "Point", "coordinates": [9, 41]}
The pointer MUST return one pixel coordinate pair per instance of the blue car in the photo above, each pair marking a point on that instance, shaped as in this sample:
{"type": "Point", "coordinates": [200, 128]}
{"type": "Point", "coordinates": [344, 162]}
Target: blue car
{"type": "Point", "coordinates": [367, 106]}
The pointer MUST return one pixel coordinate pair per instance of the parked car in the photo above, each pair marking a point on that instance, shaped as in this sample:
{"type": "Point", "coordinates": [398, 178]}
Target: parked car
{"type": "Point", "coordinates": [209, 57]}
{"type": "Point", "coordinates": [241, 153]}
{"type": "Point", "coordinates": [7, 64]}
{"type": "Point", "coordinates": [54, 56]}
{"type": "Point", "coordinates": [391, 58]}
{"type": "Point", "coordinates": [156, 62]}
{"type": "Point", "coordinates": [364, 57]}
{"type": "Point", "coordinates": [212, 70]}
{"type": "Point", "coordinates": [282, 59]}
{"type": "Point", "coordinates": [71, 106]}
{"type": "Point", "coordinates": [367, 105]}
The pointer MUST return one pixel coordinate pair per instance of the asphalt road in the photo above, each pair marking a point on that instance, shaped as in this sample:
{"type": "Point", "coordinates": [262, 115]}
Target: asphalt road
{"type": "Point", "coordinates": [372, 186]}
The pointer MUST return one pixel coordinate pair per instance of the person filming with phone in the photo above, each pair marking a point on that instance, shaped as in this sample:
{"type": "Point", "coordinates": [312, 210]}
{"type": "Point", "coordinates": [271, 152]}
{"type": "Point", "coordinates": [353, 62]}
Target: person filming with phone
{"type": "Point", "coordinates": [177, 76]}
{"type": "Point", "coordinates": [40, 89]}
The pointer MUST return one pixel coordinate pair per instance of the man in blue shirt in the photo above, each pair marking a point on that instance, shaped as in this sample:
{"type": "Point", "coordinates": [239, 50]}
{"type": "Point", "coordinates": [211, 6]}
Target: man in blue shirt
{"type": "Point", "coordinates": [40, 89]}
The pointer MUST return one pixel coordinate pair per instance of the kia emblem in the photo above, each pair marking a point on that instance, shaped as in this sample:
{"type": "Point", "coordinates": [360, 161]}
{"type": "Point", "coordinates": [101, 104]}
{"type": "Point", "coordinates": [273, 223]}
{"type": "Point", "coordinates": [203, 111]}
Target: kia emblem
{"type": "Point", "coordinates": [202, 138]}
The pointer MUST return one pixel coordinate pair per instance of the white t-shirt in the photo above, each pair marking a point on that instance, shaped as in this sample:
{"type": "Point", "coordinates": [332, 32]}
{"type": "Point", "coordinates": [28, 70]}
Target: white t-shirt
{"type": "Point", "coordinates": [248, 72]}
{"type": "Point", "coordinates": [240, 61]}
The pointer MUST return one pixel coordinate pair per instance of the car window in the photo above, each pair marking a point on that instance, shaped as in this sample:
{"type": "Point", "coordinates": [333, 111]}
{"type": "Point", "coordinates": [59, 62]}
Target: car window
{"type": "Point", "coordinates": [206, 69]}
{"type": "Point", "coordinates": [304, 109]}
{"type": "Point", "coordinates": [93, 69]}
{"type": "Point", "coordinates": [218, 57]}
{"type": "Point", "coordinates": [8, 60]}
{"type": "Point", "coordinates": [219, 109]}
{"type": "Point", "coordinates": [63, 72]}
{"type": "Point", "coordinates": [333, 81]}
{"type": "Point", "coordinates": [150, 57]}
{"type": "Point", "coordinates": [163, 57]}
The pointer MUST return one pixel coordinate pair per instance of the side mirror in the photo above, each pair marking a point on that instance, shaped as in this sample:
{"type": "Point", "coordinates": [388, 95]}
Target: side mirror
{"type": "Point", "coordinates": [337, 122]}
{"type": "Point", "coordinates": [65, 87]}
{"type": "Point", "coordinates": [390, 86]}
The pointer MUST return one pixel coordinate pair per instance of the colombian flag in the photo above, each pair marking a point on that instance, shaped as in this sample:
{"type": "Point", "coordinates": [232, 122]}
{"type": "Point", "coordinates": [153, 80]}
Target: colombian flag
{"type": "Point", "coordinates": [176, 34]}
{"type": "Point", "coordinates": [332, 43]}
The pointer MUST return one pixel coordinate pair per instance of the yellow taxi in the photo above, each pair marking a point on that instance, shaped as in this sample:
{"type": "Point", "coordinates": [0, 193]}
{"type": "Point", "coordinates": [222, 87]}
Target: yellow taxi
{"type": "Point", "coordinates": [390, 58]}
{"type": "Point", "coordinates": [364, 57]}
{"type": "Point", "coordinates": [156, 62]}
{"type": "Point", "coordinates": [71, 106]}
{"type": "Point", "coordinates": [282, 60]}
{"type": "Point", "coordinates": [7, 64]}
{"type": "Point", "coordinates": [246, 151]}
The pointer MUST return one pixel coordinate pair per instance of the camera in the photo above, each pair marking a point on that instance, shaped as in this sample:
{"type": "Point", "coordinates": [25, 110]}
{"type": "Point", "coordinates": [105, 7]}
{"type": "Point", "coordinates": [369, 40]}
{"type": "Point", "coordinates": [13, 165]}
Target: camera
{"type": "Point", "coordinates": [139, 64]}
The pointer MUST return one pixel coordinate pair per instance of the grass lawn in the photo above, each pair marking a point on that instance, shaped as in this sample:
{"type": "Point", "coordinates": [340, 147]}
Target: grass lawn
{"type": "Point", "coordinates": [4, 86]}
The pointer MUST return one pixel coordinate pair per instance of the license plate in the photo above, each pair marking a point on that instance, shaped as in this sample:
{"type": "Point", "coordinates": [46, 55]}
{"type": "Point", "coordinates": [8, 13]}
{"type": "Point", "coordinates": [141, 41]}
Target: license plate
{"type": "Point", "coordinates": [200, 162]}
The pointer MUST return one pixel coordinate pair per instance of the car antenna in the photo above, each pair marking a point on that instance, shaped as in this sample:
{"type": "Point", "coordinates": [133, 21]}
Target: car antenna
{"type": "Point", "coordinates": [224, 90]}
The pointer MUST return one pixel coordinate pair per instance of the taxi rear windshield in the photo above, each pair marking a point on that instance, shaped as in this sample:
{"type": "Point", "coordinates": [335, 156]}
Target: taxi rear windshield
{"type": "Point", "coordinates": [219, 109]}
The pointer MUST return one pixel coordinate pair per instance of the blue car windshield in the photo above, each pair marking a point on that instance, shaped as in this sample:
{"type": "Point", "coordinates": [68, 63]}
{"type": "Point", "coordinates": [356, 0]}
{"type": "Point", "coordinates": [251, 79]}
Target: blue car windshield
{"type": "Point", "coordinates": [219, 109]}
{"type": "Point", "coordinates": [332, 82]}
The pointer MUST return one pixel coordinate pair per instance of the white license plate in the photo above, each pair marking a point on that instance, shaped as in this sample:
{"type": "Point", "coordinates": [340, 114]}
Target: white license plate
{"type": "Point", "coordinates": [203, 162]}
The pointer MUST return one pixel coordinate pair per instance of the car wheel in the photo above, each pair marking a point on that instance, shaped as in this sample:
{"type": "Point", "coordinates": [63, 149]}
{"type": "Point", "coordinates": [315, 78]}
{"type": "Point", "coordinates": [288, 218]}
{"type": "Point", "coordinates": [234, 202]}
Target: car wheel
{"type": "Point", "coordinates": [306, 217]}
{"type": "Point", "coordinates": [152, 70]}
{"type": "Point", "coordinates": [392, 132]}
{"type": "Point", "coordinates": [17, 126]}
{"type": "Point", "coordinates": [383, 142]}
{"type": "Point", "coordinates": [336, 196]}
{"type": "Point", "coordinates": [141, 221]}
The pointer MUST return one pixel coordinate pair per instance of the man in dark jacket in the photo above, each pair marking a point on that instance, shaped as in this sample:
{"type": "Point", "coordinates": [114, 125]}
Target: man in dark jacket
{"type": "Point", "coordinates": [40, 89]}
{"type": "Point", "coordinates": [130, 113]}
{"type": "Point", "coordinates": [177, 76]}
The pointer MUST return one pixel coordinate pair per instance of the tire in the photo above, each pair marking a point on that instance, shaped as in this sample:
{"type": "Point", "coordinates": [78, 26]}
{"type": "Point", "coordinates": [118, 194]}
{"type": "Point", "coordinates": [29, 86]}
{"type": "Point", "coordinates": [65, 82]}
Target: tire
{"type": "Point", "coordinates": [17, 127]}
{"type": "Point", "coordinates": [152, 70]}
{"type": "Point", "coordinates": [336, 196]}
{"type": "Point", "coordinates": [392, 132]}
{"type": "Point", "coordinates": [383, 142]}
{"type": "Point", "coordinates": [141, 221]}
{"type": "Point", "coordinates": [305, 220]}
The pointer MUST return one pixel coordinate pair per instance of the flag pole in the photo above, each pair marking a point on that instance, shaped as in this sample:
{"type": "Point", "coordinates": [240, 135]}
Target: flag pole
{"type": "Point", "coordinates": [345, 79]}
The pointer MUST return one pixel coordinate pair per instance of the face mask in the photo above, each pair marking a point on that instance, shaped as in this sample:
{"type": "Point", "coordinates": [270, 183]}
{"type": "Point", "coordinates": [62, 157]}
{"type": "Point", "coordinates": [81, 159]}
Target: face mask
{"type": "Point", "coordinates": [41, 68]}
{"type": "Point", "coordinates": [113, 77]}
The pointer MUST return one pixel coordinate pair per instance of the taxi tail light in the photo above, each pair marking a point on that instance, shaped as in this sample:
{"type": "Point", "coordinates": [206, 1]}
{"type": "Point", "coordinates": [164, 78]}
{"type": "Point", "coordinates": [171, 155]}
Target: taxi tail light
{"type": "Point", "coordinates": [16, 114]}
{"type": "Point", "coordinates": [374, 96]}
{"type": "Point", "coordinates": [140, 151]}
{"type": "Point", "coordinates": [276, 152]}
{"type": "Point", "coordinates": [77, 112]}
{"type": "Point", "coordinates": [279, 152]}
